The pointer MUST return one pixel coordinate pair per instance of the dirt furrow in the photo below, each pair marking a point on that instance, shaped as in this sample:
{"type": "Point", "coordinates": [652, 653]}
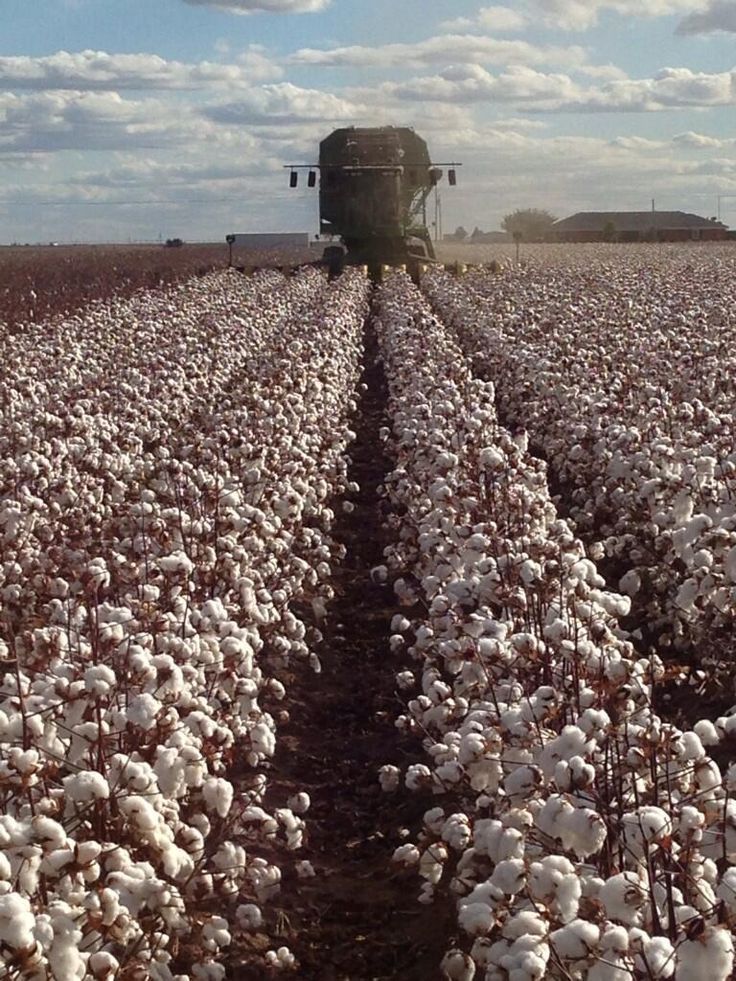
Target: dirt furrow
{"type": "Point", "coordinates": [356, 920]}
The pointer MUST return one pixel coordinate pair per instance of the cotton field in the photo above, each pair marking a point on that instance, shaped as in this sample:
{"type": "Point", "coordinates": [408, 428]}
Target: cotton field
{"type": "Point", "coordinates": [335, 619]}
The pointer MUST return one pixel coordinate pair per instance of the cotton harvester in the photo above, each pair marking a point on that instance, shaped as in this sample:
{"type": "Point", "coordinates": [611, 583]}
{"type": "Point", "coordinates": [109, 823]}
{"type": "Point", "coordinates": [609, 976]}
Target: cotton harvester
{"type": "Point", "coordinates": [373, 189]}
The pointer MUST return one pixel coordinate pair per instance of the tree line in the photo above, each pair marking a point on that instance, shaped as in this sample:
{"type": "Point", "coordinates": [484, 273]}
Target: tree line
{"type": "Point", "coordinates": [524, 224]}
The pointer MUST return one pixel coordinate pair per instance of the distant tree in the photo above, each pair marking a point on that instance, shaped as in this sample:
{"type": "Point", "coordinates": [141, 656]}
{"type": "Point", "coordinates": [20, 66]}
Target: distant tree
{"type": "Point", "coordinates": [477, 233]}
{"type": "Point", "coordinates": [460, 233]}
{"type": "Point", "coordinates": [532, 224]}
{"type": "Point", "coordinates": [609, 232]}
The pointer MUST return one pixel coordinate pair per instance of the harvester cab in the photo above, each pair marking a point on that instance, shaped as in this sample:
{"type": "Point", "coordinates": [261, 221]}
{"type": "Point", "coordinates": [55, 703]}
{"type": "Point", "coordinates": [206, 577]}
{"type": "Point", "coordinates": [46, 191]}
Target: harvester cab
{"type": "Point", "coordinates": [374, 184]}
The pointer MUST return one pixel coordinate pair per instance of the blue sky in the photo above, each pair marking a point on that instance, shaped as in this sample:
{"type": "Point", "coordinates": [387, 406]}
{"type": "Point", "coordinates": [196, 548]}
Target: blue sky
{"type": "Point", "coordinates": [130, 120]}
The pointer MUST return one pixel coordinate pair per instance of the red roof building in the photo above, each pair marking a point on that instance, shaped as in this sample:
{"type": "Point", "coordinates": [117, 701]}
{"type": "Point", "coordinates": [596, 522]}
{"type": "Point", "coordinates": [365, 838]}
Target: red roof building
{"type": "Point", "coordinates": [638, 226]}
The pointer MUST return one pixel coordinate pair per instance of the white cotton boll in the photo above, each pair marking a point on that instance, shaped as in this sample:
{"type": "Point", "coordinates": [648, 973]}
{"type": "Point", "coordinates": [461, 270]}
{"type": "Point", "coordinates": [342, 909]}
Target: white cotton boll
{"type": "Point", "coordinates": [86, 786]}
{"type": "Point", "coordinates": [615, 967]}
{"type": "Point", "coordinates": [142, 711]}
{"type": "Point", "coordinates": [299, 803]}
{"type": "Point", "coordinates": [426, 894]}
{"type": "Point", "coordinates": [405, 680]}
{"type": "Point", "coordinates": [389, 777]}
{"type": "Point", "coordinates": [707, 732]}
{"type": "Point", "coordinates": [208, 972]}
{"type": "Point", "coordinates": [16, 921]}
{"type": "Point", "coordinates": [727, 889]}
{"type": "Point", "coordinates": [630, 583]}
{"type": "Point", "coordinates": [525, 923]}
{"type": "Point", "coordinates": [657, 958]}
{"type": "Point", "coordinates": [249, 916]}
{"type": "Point", "coordinates": [690, 747]}
{"type": "Point", "coordinates": [709, 956]}
{"type": "Point", "coordinates": [491, 459]}
{"type": "Point", "coordinates": [457, 966]}
{"type": "Point", "coordinates": [623, 897]}
{"type": "Point", "coordinates": [644, 827]}
{"type": "Point", "coordinates": [576, 940]}
{"type": "Point", "coordinates": [477, 919]}
{"type": "Point", "coordinates": [99, 680]}
{"type": "Point", "coordinates": [585, 832]}
{"type": "Point", "coordinates": [523, 782]}
{"type": "Point", "coordinates": [574, 774]}
{"type": "Point", "coordinates": [49, 833]}
{"type": "Point", "coordinates": [417, 776]}
{"type": "Point", "coordinates": [140, 813]}
{"type": "Point", "coordinates": [406, 855]}
{"type": "Point", "coordinates": [103, 965]}
{"type": "Point", "coordinates": [305, 870]}
{"type": "Point", "coordinates": [64, 956]}
{"type": "Point", "coordinates": [216, 930]}
{"type": "Point", "coordinates": [176, 562]}
{"type": "Point", "coordinates": [615, 939]}
{"type": "Point", "coordinates": [509, 876]}
{"type": "Point", "coordinates": [263, 739]}
{"type": "Point", "coordinates": [432, 863]}
{"type": "Point", "coordinates": [491, 838]}
{"type": "Point", "coordinates": [434, 820]}
{"type": "Point", "coordinates": [690, 819]}
{"type": "Point", "coordinates": [729, 564]}
{"type": "Point", "coordinates": [456, 832]}
{"type": "Point", "coordinates": [218, 795]}
{"type": "Point", "coordinates": [687, 594]}
{"type": "Point", "coordinates": [281, 959]}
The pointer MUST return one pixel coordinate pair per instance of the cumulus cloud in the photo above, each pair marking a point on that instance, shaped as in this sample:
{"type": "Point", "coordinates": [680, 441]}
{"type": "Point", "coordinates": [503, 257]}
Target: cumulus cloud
{"type": "Point", "coordinates": [441, 49]}
{"type": "Point", "coordinates": [579, 15]}
{"type": "Point", "coordinates": [474, 84]}
{"type": "Point", "coordinates": [672, 88]}
{"type": "Point", "coordinates": [699, 141]}
{"type": "Point", "coordinates": [496, 18]}
{"type": "Point", "coordinates": [264, 6]}
{"type": "Point", "coordinates": [280, 104]}
{"type": "Point", "coordinates": [103, 71]}
{"type": "Point", "coordinates": [54, 121]}
{"type": "Point", "coordinates": [719, 15]}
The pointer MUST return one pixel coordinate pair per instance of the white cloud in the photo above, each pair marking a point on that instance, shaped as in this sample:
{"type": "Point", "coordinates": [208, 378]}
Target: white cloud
{"type": "Point", "coordinates": [441, 49]}
{"type": "Point", "coordinates": [281, 104]}
{"type": "Point", "coordinates": [671, 88]}
{"type": "Point", "coordinates": [474, 84]}
{"type": "Point", "coordinates": [579, 15]}
{"type": "Point", "coordinates": [497, 18]}
{"type": "Point", "coordinates": [100, 70]}
{"type": "Point", "coordinates": [49, 122]}
{"type": "Point", "coordinates": [719, 15]}
{"type": "Point", "coordinates": [264, 6]}
{"type": "Point", "coordinates": [698, 141]}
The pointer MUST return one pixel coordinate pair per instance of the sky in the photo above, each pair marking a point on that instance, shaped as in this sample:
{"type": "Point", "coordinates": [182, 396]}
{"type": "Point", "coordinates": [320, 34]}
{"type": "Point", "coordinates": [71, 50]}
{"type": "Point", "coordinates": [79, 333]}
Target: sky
{"type": "Point", "coordinates": [131, 120]}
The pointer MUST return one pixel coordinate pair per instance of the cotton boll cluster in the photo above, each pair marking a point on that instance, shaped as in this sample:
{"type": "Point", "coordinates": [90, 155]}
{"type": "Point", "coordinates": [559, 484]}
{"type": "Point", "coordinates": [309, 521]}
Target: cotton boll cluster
{"type": "Point", "coordinates": [167, 466]}
{"type": "Point", "coordinates": [579, 833]}
{"type": "Point", "coordinates": [620, 368]}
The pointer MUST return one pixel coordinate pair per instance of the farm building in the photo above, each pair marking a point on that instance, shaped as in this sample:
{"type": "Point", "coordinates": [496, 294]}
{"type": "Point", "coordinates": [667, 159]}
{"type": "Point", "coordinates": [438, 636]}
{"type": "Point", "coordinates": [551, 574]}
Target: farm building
{"type": "Point", "coordinates": [271, 240]}
{"type": "Point", "coordinates": [638, 226]}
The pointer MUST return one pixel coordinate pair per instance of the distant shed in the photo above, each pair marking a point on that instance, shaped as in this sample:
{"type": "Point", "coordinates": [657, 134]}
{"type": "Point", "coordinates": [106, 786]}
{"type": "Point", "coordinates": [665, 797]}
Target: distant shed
{"type": "Point", "coordinates": [638, 226]}
{"type": "Point", "coordinates": [272, 240]}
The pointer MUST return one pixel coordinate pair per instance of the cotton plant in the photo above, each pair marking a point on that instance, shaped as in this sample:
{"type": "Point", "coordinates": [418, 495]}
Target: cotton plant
{"type": "Point", "coordinates": [167, 469]}
{"type": "Point", "coordinates": [618, 368]}
{"type": "Point", "coordinates": [578, 833]}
